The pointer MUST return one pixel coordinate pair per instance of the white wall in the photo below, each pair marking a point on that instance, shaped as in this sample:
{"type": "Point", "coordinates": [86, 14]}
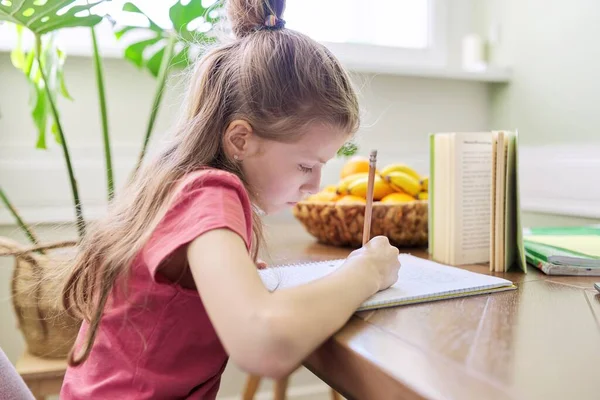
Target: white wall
{"type": "Point", "coordinates": [552, 98]}
{"type": "Point", "coordinates": [553, 48]}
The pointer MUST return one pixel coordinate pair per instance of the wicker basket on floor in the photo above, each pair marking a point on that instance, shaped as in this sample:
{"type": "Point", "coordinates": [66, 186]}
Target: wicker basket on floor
{"type": "Point", "coordinates": [404, 224]}
{"type": "Point", "coordinates": [48, 330]}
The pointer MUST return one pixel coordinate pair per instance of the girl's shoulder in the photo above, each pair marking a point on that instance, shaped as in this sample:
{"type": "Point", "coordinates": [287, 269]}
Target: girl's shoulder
{"type": "Point", "coordinates": [211, 179]}
{"type": "Point", "coordinates": [210, 176]}
{"type": "Point", "coordinates": [203, 200]}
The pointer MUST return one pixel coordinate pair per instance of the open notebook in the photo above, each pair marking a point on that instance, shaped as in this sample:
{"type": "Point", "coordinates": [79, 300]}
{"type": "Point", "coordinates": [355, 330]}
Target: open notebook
{"type": "Point", "coordinates": [419, 281]}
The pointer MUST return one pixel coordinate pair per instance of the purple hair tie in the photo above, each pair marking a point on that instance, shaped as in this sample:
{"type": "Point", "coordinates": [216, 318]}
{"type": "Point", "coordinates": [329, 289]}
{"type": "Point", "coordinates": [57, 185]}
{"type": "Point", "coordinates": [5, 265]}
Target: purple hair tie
{"type": "Point", "coordinates": [273, 23]}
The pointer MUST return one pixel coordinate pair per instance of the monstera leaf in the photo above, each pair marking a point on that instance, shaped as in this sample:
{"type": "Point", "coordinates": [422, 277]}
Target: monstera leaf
{"type": "Point", "coordinates": [191, 24]}
{"type": "Point", "coordinates": [52, 59]}
{"type": "Point", "coordinates": [43, 16]}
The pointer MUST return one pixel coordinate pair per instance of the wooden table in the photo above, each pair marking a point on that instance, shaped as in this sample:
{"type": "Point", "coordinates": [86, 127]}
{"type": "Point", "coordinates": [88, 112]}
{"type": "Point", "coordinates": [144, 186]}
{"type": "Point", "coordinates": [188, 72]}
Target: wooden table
{"type": "Point", "coordinates": [541, 341]}
{"type": "Point", "coordinates": [43, 376]}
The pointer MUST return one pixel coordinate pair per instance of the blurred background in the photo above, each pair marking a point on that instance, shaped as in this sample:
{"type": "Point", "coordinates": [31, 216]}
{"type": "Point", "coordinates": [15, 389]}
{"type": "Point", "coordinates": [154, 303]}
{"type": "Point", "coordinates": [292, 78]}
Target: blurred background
{"type": "Point", "coordinates": [420, 66]}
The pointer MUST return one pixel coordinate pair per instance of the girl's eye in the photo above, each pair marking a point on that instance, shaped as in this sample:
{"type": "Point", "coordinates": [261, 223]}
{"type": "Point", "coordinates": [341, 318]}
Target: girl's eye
{"type": "Point", "coordinates": [304, 169]}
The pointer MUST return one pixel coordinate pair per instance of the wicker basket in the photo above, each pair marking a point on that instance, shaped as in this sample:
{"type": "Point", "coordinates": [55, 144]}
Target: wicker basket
{"type": "Point", "coordinates": [48, 330]}
{"type": "Point", "coordinates": [404, 224]}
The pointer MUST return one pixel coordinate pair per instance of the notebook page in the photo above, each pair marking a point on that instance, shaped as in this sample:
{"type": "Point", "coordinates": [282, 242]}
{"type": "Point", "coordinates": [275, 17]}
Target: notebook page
{"type": "Point", "coordinates": [417, 279]}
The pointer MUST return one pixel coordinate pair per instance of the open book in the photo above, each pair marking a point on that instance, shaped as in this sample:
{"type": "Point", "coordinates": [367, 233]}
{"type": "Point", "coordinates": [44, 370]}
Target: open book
{"type": "Point", "coordinates": [474, 211]}
{"type": "Point", "coordinates": [419, 281]}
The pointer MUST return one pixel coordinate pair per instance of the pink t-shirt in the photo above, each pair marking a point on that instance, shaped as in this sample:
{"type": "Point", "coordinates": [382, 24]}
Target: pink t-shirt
{"type": "Point", "coordinates": [157, 341]}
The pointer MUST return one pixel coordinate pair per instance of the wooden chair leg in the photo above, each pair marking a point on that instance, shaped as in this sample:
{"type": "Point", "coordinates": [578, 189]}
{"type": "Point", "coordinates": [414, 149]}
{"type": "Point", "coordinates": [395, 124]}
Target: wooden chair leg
{"type": "Point", "coordinates": [335, 395]}
{"type": "Point", "coordinates": [281, 388]}
{"type": "Point", "coordinates": [251, 387]}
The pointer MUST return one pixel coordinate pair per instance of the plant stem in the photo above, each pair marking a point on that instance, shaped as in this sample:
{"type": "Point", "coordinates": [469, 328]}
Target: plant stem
{"type": "Point", "coordinates": [104, 116]}
{"type": "Point", "coordinates": [63, 142]}
{"type": "Point", "coordinates": [161, 81]}
{"type": "Point", "coordinates": [30, 235]}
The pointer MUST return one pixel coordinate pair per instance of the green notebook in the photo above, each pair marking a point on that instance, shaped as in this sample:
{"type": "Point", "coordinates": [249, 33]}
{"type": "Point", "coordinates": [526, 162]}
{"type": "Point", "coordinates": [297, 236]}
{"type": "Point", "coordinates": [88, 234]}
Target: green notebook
{"type": "Point", "coordinates": [564, 251]}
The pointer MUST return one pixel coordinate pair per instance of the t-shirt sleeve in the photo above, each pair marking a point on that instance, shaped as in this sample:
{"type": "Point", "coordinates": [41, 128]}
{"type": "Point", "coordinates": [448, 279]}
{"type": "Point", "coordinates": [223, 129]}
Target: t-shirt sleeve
{"type": "Point", "coordinates": [208, 200]}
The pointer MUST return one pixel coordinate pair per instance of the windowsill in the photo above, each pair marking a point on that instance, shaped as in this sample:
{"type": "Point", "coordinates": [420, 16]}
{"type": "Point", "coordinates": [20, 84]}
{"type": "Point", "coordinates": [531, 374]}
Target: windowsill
{"type": "Point", "coordinates": [357, 58]}
{"type": "Point", "coordinates": [492, 75]}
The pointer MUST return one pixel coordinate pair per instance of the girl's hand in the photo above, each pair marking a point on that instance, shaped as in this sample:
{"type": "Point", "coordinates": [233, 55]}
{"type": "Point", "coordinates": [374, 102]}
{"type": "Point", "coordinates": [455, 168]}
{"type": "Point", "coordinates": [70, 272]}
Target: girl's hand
{"type": "Point", "coordinates": [381, 258]}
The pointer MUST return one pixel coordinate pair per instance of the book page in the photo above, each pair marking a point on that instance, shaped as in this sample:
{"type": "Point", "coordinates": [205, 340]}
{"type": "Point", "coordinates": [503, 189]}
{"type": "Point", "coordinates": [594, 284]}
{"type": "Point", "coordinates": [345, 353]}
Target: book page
{"type": "Point", "coordinates": [510, 226]}
{"type": "Point", "coordinates": [520, 245]}
{"type": "Point", "coordinates": [418, 279]}
{"type": "Point", "coordinates": [493, 202]}
{"type": "Point", "coordinates": [499, 201]}
{"type": "Point", "coordinates": [440, 199]}
{"type": "Point", "coordinates": [451, 203]}
{"type": "Point", "coordinates": [431, 202]}
{"type": "Point", "coordinates": [473, 197]}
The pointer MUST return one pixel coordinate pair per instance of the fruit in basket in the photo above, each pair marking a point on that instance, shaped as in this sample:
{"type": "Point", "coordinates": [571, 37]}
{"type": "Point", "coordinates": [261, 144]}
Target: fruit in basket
{"type": "Point", "coordinates": [335, 215]}
{"type": "Point", "coordinates": [344, 183]}
{"type": "Point", "coordinates": [403, 182]}
{"type": "Point", "coordinates": [330, 188]}
{"type": "Point", "coordinates": [359, 187]}
{"type": "Point", "coordinates": [323, 195]}
{"type": "Point", "coordinates": [397, 198]}
{"type": "Point", "coordinates": [399, 167]}
{"type": "Point", "coordinates": [350, 199]}
{"type": "Point", "coordinates": [396, 183]}
{"type": "Point", "coordinates": [355, 165]}
{"type": "Point", "coordinates": [425, 184]}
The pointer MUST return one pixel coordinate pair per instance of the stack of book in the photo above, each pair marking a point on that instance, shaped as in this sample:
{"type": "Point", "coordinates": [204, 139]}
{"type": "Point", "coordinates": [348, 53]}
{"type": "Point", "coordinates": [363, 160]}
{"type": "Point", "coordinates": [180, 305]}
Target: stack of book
{"type": "Point", "coordinates": [564, 251]}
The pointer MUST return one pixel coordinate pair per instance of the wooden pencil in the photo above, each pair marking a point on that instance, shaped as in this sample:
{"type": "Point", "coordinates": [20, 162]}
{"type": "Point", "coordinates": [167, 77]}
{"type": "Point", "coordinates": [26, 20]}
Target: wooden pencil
{"type": "Point", "coordinates": [369, 206]}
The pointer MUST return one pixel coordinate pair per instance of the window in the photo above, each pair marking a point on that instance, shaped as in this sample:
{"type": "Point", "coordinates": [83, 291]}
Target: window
{"type": "Point", "coordinates": [375, 35]}
{"type": "Point", "coordinates": [392, 23]}
{"type": "Point", "coordinates": [366, 35]}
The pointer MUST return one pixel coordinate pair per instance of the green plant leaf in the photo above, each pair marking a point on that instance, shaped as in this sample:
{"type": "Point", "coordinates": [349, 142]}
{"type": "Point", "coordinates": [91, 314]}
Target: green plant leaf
{"type": "Point", "coordinates": [55, 133]}
{"type": "Point", "coordinates": [181, 15]}
{"type": "Point", "coordinates": [135, 51]}
{"type": "Point", "coordinates": [43, 16]}
{"type": "Point", "coordinates": [40, 113]}
{"type": "Point", "coordinates": [53, 60]}
{"type": "Point", "coordinates": [61, 76]}
{"type": "Point", "coordinates": [148, 52]}
{"type": "Point", "coordinates": [153, 63]}
{"type": "Point", "coordinates": [348, 149]}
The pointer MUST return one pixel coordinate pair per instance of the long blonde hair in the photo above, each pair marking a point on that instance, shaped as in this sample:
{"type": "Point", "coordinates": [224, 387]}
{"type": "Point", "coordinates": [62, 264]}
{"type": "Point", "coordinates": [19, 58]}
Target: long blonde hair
{"type": "Point", "coordinates": [277, 79]}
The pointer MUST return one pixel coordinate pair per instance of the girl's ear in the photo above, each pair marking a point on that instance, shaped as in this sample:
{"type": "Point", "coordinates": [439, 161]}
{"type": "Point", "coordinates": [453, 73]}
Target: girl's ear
{"type": "Point", "coordinates": [238, 139]}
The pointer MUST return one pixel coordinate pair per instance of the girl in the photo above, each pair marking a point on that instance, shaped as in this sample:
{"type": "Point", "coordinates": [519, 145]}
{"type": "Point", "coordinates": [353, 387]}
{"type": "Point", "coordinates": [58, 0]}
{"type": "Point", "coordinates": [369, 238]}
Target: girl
{"type": "Point", "coordinates": [167, 284]}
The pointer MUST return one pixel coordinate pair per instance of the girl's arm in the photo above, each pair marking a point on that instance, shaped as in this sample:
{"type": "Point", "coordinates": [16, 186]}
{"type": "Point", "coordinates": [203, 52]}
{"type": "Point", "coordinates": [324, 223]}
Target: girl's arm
{"type": "Point", "coordinates": [269, 334]}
